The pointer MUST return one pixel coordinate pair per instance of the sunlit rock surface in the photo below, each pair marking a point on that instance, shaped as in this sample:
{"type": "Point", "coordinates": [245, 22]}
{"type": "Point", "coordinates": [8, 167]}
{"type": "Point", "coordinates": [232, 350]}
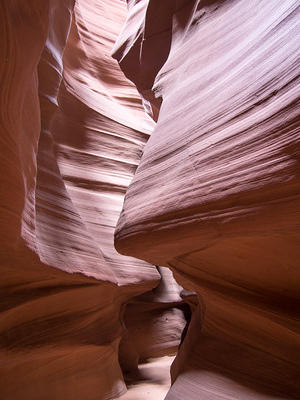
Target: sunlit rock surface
{"type": "Point", "coordinates": [216, 194]}
{"type": "Point", "coordinates": [152, 381]}
{"type": "Point", "coordinates": [72, 133]}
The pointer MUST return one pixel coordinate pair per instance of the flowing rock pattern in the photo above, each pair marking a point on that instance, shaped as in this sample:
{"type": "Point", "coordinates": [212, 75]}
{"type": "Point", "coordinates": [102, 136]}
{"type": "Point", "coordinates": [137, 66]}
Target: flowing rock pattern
{"type": "Point", "coordinates": [216, 194]}
{"type": "Point", "coordinates": [72, 132]}
{"type": "Point", "coordinates": [155, 323]}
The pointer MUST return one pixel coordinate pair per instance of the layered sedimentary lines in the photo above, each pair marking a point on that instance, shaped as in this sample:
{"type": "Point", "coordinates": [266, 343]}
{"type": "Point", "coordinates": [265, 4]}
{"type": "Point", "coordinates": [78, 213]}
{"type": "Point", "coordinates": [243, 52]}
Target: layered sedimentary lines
{"type": "Point", "coordinates": [95, 154]}
{"type": "Point", "coordinates": [216, 194]}
{"type": "Point", "coordinates": [215, 197]}
{"type": "Point", "coordinates": [238, 110]}
{"type": "Point", "coordinates": [72, 132]}
{"type": "Point", "coordinates": [54, 334]}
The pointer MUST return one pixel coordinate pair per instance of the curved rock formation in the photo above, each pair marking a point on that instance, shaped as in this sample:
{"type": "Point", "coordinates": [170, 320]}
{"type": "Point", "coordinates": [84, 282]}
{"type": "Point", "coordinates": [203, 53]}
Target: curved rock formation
{"type": "Point", "coordinates": [155, 321]}
{"type": "Point", "coordinates": [215, 197]}
{"type": "Point", "coordinates": [216, 194]}
{"type": "Point", "coordinates": [72, 132]}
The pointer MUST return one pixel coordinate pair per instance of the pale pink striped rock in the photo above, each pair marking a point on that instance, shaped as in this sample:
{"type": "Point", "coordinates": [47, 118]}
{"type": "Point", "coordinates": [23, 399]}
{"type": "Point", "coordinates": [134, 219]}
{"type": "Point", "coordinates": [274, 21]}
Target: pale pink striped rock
{"type": "Point", "coordinates": [72, 130]}
{"type": "Point", "coordinates": [216, 194]}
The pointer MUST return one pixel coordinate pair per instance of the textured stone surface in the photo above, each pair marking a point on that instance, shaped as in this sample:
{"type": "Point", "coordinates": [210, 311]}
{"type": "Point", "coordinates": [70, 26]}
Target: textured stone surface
{"type": "Point", "coordinates": [216, 194]}
{"type": "Point", "coordinates": [72, 132]}
{"type": "Point", "coordinates": [215, 197]}
{"type": "Point", "coordinates": [155, 321]}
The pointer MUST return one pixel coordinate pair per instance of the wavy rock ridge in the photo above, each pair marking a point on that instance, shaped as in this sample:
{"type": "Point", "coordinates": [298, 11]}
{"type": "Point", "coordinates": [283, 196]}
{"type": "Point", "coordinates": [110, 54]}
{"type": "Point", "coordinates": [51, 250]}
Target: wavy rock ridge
{"type": "Point", "coordinates": [216, 194]}
{"type": "Point", "coordinates": [72, 132]}
{"type": "Point", "coordinates": [215, 197]}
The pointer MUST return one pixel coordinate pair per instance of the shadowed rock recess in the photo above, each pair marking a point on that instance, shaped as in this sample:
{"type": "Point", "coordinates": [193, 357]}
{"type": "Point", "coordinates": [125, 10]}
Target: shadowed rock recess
{"type": "Point", "coordinates": [186, 113]}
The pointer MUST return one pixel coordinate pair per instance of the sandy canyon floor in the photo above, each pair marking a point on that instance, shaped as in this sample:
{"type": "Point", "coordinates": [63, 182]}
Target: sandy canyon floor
{"type": "Point", "coordinates": [153, 380]}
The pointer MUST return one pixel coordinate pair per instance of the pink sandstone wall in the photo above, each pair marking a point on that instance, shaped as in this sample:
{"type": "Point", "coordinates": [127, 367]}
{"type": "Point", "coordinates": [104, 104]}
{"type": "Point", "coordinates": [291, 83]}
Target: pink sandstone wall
{"type": "Point", "coordinates": [216, 194]}
{"type": "Point", "coordinates": [72, 132]}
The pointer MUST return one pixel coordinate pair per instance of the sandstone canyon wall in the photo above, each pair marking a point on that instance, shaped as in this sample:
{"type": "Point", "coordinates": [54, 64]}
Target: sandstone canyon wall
{"type": "Point", "coordinates": [72, 132]}
{"type": "Point", "coordinates": [215, 197]}
{"type": "Point", "coordinates": [216, 194]}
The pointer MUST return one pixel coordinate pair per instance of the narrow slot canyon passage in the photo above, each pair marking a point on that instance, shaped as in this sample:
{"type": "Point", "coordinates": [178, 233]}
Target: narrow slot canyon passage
{"type": "Point", "coordinates": [149, 200]}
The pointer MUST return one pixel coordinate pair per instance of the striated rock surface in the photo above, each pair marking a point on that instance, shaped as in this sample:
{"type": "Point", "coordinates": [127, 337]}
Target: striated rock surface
{"type": "Point", "coordinates": [72, 132]}
{"type": "Point", "coordinates": [155, 321]}
{"type": "Point", "coordinates": [216, 194]}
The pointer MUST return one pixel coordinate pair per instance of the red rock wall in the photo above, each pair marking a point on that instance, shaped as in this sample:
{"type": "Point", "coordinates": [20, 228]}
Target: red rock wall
{"type": "Point", "coordinates": [216, 194]}
{"type": "Point", "coordinates": [72, 132]}
{"type": "Point", "coordinates": [155, 322]}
